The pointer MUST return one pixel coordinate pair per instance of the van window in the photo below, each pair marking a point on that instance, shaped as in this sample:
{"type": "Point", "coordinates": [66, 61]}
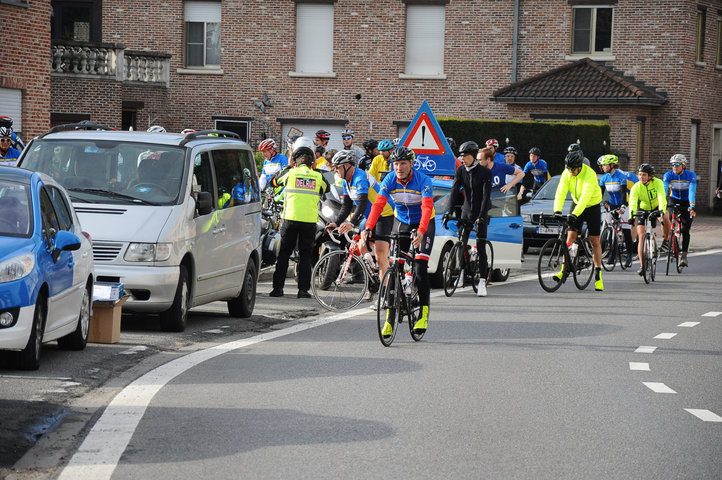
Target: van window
{"type": "Point", "coordinates": [235, 186]}
{"type": "Point", "coordinates": [202, 175]}
{"type": "Point", "coordinates": [250, 180]}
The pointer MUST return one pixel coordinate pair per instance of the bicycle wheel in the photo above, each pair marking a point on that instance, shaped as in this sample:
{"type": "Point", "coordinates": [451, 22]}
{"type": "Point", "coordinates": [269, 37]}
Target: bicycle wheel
{"type": "Point", "coordinates": [583, 264]}
{"type": "Point", "coordinates": [333, 281]}
{"type": "Point", "coordinates": [676, 243]}
{"type": "Point", "coordinates": [489, 261]}
{"type": "Point", "coordinates": [671, 253]}
{"type": "Point", "coordinates": [414, 311]}
{"type": "Point", "coordinates": [609, 248]}
{"type": "Point", "coordinates": [551, 265]}
{"type": "Point", "coordinates": [388, 303]}
{"type": "Point", "coordinates": [655, 254]}
{"type": "Point", "coordinates": [647, 258]}
{"type": "Point", "coordinates": [621, 252]}
{"type": "Point", "coordinates": [452, 269]}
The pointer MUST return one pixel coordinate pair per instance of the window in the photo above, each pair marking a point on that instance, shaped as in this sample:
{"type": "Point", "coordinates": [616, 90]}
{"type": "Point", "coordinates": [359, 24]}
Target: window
{"type": "Point", "coordinates": [239, 125]}
{"type": "Point", "coordinates": [314, 38]}
{"type": "Point", "coordinates": [425, 29]}
{"type": "Point", "coordinates": [592, 30]}
{"type": "Point", "coordinates": [76, 21]}
{"type": "Point", "coordinates": [235, 179]}
{"type": "Point", "coordinates": [65, 218]}
{"type": "Point", "coordinates": [701, 16]}
{"type": "Point", "coordinates": [202, 176]}
{"type": "Point", "coordinates": [203, 34]}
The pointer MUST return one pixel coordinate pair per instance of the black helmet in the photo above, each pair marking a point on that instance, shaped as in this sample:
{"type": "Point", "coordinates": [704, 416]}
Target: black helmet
{"type": "Point", "coordinates": [470, 148]}
{"type": "Point", "coordinates": [573, 147]}
{"type": "Point", "coordinates": [370, 144]}
{"type": "Point", "coordinates": [344, 157]}
{"type": "Point", "coordinates": [402, 153]}
{"type": "Point", "coordinates": [451, 142]}
{"type": "Point", "coordinates": [574, 159]}
{"type": "Point", "coordinates": [535, 151]}
{"type": "Point", "coordinates": [511, 150]}
{"type": "Point", "coordinates": [646, 168]}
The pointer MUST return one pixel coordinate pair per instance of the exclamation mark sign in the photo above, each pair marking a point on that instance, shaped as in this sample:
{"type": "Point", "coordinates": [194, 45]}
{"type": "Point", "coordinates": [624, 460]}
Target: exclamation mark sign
{"type": "Point", "coordinates": [423, 134]}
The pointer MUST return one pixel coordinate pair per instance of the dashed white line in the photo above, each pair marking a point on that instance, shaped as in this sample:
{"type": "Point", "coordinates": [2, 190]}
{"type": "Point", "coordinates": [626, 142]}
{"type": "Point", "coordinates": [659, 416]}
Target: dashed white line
{"type": "Point", "coordinates": [657, 387]}
{"type": "Point", "coordinates": [642, 366]}
{"type": "Point", "coordinates": [665, 336]}
{"type": "Point", "coordinates": [704, 415]}
{"type": "Point", "coordinates": [688, 324]}
{"type": "Point", "coordinates": [712, 314]}
{"type": "Point", "coordinates": [644, 349]}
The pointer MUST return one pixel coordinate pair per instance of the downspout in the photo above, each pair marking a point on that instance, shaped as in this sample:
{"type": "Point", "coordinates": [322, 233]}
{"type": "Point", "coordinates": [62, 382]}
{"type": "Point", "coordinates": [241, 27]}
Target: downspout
{"type": "Point", "coordinates": [515, 41]}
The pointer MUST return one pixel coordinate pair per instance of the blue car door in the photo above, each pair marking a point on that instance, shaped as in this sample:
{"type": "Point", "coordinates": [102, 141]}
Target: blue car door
{"type": "Point", "coordinates": [505, 229]}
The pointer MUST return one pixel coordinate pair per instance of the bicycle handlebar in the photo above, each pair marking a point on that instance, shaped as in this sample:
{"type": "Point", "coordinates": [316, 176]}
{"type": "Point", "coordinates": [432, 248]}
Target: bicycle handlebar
{"type": "Point", "coordinates": [337, 238]}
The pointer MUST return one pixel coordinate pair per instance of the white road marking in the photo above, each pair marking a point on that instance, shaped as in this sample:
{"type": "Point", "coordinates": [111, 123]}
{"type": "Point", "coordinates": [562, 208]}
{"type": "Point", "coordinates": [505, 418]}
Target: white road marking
{"type": "Point", "coordinates": [658, 387]}
{"type": "Point", "coordinates": [705, 415]}
{"type": "Point", "coordinates": [643, 366]}
{"type": "Point", "coordinates": [30, 377]}
{"type": "Point", "coordinates": [688, 324]}
{"type": "Point", "coordinates": [213, 330]}
{"type": "Point", "coordinates": [99, 453]}
{"type": "Point", "coordinates": [134, 350]}
{"type": "Point", "coordinates": [644, 349]}
{"type": "Point", "coordinates": [712, 314]}
{"type": "Point", "coordinates": [665, 336]}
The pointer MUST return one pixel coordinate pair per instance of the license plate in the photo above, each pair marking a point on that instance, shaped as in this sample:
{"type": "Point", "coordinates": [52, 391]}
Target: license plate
{"type": "Point", "coordinates": [548, 230]}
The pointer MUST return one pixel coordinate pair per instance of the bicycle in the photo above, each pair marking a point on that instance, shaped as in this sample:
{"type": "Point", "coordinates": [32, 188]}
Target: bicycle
{"type": "Point", "coordinates": [555, 256]}
{"type": "Point", "coordinates": [463, 261]}
{"type": "Point", "coordinates": [675, 239]}
{"type": "Point", "coordinates": [612, 239]}
{"type": "Point", "coordinates": [398, 292]}
{"type": "Point", "coordinates": [424, 162]}
{"type": "Point", "coordinates": [649, 245]}
{"type": "Point", "coordinates": [341, 279]}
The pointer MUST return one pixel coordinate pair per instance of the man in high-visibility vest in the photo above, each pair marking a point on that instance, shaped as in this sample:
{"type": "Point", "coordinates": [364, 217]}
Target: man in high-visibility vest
{"type": "Point", "coordinates": [304, 188]}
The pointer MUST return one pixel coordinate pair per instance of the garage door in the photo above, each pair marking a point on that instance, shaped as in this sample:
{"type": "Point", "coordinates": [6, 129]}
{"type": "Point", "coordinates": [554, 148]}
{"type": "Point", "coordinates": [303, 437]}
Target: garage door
{"type": "Point", "coordinates": [310, 129]}
{"type": "Point", "coordinates": [11, 105]}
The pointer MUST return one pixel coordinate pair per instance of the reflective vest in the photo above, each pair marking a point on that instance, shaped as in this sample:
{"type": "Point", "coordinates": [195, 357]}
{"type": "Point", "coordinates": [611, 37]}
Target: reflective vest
{"type": "Point", "coordinates": [303, 193]}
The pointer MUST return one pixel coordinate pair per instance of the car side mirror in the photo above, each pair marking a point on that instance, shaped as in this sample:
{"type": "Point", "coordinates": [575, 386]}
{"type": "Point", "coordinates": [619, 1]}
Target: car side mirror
{"type": "Point", "coordinates": [64, 241]}
{"type": "Point", "coordinates": [527, 195]}
{"type": "Point", "coordinates": [204, 203]}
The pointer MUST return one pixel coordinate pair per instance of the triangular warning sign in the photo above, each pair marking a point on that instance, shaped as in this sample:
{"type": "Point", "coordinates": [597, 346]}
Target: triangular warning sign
{"type": "Point", "coordinates": [425, 138]}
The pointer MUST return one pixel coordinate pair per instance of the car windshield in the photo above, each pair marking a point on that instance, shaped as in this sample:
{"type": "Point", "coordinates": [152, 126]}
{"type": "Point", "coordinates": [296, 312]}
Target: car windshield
{"type": "Point", "coordinates": [110, 171]}
{"type": "Point", "coordinates": [15, 208]}
{"type": "Point", "coordinates": [549, 189]}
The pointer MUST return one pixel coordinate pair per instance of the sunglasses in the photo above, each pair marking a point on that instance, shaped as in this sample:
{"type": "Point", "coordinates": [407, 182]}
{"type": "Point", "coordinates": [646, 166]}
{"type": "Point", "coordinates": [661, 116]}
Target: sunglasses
{"type": "Point", "coordinates": [347, 137]}
{"type": "Point", "coordinates": [676, 164]}
{"type": "Point", "coordinates": [5, 140]}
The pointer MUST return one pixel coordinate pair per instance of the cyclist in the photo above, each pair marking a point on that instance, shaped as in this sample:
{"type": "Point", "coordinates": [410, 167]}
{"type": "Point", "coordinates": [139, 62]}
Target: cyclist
{"type": "Point", "coordinates": [475, 181]}
{"type": "Point", "coordinates": [499, 170]}
{"type": "Point", "coordinates": [320, 163]}
{"type": "Point", "coordinates": [322, 137]}
{"type": "Point", "coordinates": [646, 195]}
{"type": "Point", "coordinates": [537, 168]}
{"type": "Point", "coordinates": [347, 137]}
{"type": "Point", "coordinates": [575, 147]}
{"type": "Point", "coordinates": [380, 166]}
{"type": "Point", "coordinates": [361, 189]}
{"type": "Point", "coordinates": [156, 129]}
{"type": "Point", "coordinates": [618, 184]}
{"type": "Point", "coordinates": [17, 142]}
{"type": "Point", "coordinates": [510, 154]}
{"type": "Point", "coordinates": [371, 147]}
{"type": "Point", "coordinates": [8, 155]}
{"type": "Point", "coordinates": [413, 196]}
{"type": "Point", "coordinates": [493, 143]}
{"type": "Point", "coordinates": [580, 181]}
{"type": "Point", "coordinates": [273, 161]}
{"type": "Point", "coordinates": [681, 185]}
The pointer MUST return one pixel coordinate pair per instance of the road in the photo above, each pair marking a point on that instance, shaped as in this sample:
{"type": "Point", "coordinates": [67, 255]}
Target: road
{"type": "Point", "coordinates": [520, 384]}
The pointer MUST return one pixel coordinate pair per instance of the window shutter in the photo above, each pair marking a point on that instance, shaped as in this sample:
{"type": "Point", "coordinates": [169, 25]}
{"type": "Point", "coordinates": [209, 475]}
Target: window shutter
{"type": "Point", "coordinates": [12, 106]}
{"type": "Point", "coordinates": [425, 26]}
{"type": "Point", "coordinates": [207, 12]}
{"type": "Point", "coordinates": [314, 38]}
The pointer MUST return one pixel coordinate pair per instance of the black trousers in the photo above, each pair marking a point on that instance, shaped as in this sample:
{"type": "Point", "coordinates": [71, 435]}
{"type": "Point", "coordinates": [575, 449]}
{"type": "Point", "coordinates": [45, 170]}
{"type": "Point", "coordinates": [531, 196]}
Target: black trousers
{"type": "Point", "coordinates": [292, 233]}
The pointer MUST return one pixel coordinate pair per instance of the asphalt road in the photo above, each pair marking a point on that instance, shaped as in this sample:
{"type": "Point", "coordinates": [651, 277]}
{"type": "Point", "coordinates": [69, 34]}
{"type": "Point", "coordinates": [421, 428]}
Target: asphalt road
{"type": "Point", "coordinates": [520, 384]}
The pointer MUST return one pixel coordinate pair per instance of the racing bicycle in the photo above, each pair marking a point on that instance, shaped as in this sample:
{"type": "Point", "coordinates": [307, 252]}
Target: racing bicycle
{"type": "Point", "coordinates": [463, 261]}
{"type": "Point", "coordinates": [675, 239]}
{"type": "Point", "coordinates": [555, 256]}
{"type": "Point", "coordinates": [649, 245]}
{"type": "Point", "coordinates": [612, 239]}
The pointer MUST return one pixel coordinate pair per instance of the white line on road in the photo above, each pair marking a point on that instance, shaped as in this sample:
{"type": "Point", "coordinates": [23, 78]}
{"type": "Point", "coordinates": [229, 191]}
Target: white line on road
{"type": "Point", "coordinates": [213, 330]}
{"type": "Point", "coordinates": [688, 324]}
{"type": "Point", "coordinates": [643, 366]}
{"type": "Point", "coordinates": [134, 350]}
{"type": "Point", "coordinates": [30, 377]}
{"type": "Point", "coordinates": [644, 349]}
{"type": "Point", "coordinates": [665, 336]}
{"type": "Point", "coordinates": [712, 314]}
{"type": "Point", "coordinates": [705, 415]}
{"type": "Point", "coordinates": [658, 387]}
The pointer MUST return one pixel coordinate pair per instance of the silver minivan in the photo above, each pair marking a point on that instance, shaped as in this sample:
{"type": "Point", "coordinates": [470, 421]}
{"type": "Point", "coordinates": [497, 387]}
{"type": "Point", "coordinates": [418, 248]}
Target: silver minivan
{"type": "Point", "coordinates": [176, 218]}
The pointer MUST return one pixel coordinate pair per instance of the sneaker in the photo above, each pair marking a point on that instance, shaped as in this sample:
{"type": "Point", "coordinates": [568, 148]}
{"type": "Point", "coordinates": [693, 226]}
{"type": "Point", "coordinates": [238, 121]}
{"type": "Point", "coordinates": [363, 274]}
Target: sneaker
{"type": "Point", "coordinates": [598, 284]}
{"type": "Point", "coordinates": [276, 292]}
{"type": "Point", "coordinates": [664, 247]}
{"type": "Point", "coordinates": [628, 261]}
{"type": "Point", "coordinates": [481, 288]}
{"type": "Point", "coordinates": [388, 329]}
{"type": "Point", "coordinates": [303, 294]}
{"type": "Point", "coordinates": [610, 260]}
{"type": "Point", "coordinates": [640, 272]}
{"type": "Point", "coordinates": [368, 296]}
{"type": "Point", "coordinates": [422, 322]}
{"type": "Point", "coordinates": [460, 280]}
{"type": "Point", "coordinates": [683, 259]}
{"type": "Point", "coordinates": [558, 277]}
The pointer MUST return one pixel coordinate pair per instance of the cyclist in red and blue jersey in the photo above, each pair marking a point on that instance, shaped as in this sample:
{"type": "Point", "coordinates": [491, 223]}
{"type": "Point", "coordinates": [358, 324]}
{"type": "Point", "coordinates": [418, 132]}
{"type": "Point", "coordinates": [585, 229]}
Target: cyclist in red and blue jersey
{"type": "Point", "coordinates": [413, 197]}
{"type": "Point", "coordinates": [538, 169]}
{"type": "Point", "coordinates": [618, 184]}
{"type": "Point", "coordinates": [273, 162]}
{"type": "Point", "coordinates": [681, 186]}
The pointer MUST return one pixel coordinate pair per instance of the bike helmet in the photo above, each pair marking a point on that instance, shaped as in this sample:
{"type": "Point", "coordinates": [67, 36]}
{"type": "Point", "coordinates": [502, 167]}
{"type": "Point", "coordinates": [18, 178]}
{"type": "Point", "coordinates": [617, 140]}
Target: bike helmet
{"type": "Point", "coordinates": [303, 146]}
{"type": "Point", "coordinates": [344, 157]}
{"type": "Point", "coordinates": [646, 168]}
{"type": "Point", "coordinates": [608, 159]}
{"type": "Point", "coordinates": [6, 121]}
{"type": "Point", "coordinates": [347, 133]}
{"type": "Point", "coordinates": [574, 147]}
{"type": "Point", "coordinates": [186, 131]}
{"type": "Point", "coordinates": [323, 135]}
{"type": "Point", "coordinates": [492, 142]}
{"type": "Point", "coordinates": [402, 153]}
{"type": "Point", "coordinates": [511, 150]}
{"type": "Point", "coordinates": [267, 144]}
{"type": "Point", "coordinates": [574, 159]}
{"type": "Point", "coordinates": [535, 151]}
{"type": "Point", "coordinates": [246, 174]}
{"type": "Point", "coordinates": [678, 158]}
{"type": "Point", "coordinates": [6, 132]}
{"type": "Point", "coordinates": [385, 145]}
{"type": "Point", "coordinates": [395, 142]}
{"type": "Point", "coordinates": [451, 142]}
{"type": "Point", "coordinates": [156, 129]}
{"type": "Point", "coordinates": [469, 148]}
{"type": "Point", "coordinates": [370, 144]}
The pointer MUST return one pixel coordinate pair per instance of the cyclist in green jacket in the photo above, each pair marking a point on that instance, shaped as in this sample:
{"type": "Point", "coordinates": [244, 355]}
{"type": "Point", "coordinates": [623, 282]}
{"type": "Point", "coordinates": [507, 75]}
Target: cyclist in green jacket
{"type": "Point", "coordinates": [647, 194]}
{"type": "Point", "coordinates": [581, 182]}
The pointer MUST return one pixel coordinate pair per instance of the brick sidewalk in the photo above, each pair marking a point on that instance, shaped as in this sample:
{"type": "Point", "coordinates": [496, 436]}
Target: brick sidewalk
{"type": "Point", "coordinates": [706, 233]}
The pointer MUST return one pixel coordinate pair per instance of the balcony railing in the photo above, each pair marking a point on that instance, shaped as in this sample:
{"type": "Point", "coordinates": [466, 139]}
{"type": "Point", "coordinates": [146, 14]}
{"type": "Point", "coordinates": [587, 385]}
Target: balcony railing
{"type": "Point", "coordinates": [110, 61]}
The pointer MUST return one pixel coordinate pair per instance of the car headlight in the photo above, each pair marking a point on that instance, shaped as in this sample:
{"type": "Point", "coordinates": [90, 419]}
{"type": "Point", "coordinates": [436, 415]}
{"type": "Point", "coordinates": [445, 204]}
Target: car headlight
{"type": "Point", "coordinates": [17, 268]}
{"type": "Point", "coordinates": [147, 252]}
{"type": "Point", "coordinates": [526, 218]}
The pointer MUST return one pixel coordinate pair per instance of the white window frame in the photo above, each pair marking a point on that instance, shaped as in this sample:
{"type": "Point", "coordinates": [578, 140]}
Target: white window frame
{"type": "Point", "coordinates": [314, 40]}
{"type": "Point", "coordinates": [206, 13]}
{"type": "Point", "coordinates": [425, 32]}
{"type": "Point", "coordinates": [594, 55]}
{"type": "Point", "coordinates": [11, 100]}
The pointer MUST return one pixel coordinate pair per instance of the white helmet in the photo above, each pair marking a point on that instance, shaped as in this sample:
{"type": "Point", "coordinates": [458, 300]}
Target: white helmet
{"type": "Point", "coordinates": [156, 129]}
{"type": "Point", "coordinates": [303, 145]}
{"type": "Point", "coordinates": [678, 158]}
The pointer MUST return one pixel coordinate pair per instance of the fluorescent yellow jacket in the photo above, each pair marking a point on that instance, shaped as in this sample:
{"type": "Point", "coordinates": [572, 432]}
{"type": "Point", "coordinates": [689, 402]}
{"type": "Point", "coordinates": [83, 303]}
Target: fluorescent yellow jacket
{"type": "Point", "coordinates": [378, 166]}
{"type": "Point", "coordinates": [647, 197]}
{"type": "Point", "coordinates": [303, 191]}
{"type": "Point", "coordinates": [584, 189]}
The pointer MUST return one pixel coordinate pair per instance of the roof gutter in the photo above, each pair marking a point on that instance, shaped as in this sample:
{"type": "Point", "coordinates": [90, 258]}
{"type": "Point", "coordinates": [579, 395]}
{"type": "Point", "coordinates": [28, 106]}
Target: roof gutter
{"type": "Point", "coordinates": [574, 100]}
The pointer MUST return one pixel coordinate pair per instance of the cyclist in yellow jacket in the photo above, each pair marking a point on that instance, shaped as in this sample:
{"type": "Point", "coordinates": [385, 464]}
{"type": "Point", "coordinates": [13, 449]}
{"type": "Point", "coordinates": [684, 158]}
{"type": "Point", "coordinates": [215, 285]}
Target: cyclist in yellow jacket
{"type": "Point", "coordinates": [581, 182]}
{"type": "Point", "coordinates": [380, 165]}
{"type": "Point", "coordinates": [647, 194]}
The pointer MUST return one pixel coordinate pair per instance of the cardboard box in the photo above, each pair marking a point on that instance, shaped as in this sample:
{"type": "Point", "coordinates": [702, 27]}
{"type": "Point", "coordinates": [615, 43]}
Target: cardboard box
{"type": "Point", "coordinates": [105, 321]}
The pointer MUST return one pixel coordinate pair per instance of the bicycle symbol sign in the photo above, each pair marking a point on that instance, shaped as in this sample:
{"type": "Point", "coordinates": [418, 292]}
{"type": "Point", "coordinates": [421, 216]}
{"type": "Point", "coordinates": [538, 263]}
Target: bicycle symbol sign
{"type": "Point", "coordinates": [424, 162]}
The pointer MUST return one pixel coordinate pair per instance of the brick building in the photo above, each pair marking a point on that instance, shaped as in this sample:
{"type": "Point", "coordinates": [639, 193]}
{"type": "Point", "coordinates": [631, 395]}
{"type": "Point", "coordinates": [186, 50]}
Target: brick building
{"type": "Point", "coordinates": [262, 67]}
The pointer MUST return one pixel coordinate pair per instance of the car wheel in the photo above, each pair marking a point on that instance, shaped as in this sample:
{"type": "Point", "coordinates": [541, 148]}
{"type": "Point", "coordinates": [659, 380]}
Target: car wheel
{"type": "Point", "coordinates": [29, 357]}
{"type": "Point", "coordinates": [175, 318]}
{"type": "Point", "coordinates": [242, 305]}
{"type": "Point", "coordinates": [79, 338]}
{"type": "Point", "coordinates": [437, 278]}
{"type": "Point", "coordinates": [500, 274]}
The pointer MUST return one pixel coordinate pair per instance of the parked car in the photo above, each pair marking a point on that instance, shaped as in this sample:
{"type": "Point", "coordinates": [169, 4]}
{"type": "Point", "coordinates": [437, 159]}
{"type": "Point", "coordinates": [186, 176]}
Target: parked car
{"type": "Point", "coordinates": [536, 234]}
{"type": "Point", "coordinates": [46, 268]}
{"type": "Point", "coordinates": [174, 217]}
{"type": "Point", "coordinates": [504, 232]}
